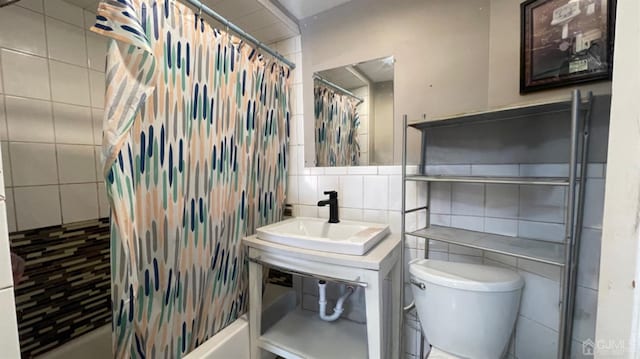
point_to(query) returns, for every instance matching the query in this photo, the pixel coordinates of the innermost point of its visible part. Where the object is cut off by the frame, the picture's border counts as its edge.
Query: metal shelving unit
(563, 253)
(539, 251)
(548, 181)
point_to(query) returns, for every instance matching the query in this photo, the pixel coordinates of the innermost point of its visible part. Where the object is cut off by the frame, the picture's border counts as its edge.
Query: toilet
(466, 310)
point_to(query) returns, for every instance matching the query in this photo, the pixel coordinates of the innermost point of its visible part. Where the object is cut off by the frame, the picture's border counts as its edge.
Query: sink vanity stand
(301, 333)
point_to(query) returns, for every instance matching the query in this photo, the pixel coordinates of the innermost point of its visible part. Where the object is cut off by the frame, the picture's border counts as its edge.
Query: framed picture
(565, 42)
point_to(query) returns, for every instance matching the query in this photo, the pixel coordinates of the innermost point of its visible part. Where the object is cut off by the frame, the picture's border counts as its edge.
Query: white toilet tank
(468, 310)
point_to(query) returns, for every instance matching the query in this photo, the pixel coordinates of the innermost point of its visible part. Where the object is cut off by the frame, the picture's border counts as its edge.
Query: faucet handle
(332, 194)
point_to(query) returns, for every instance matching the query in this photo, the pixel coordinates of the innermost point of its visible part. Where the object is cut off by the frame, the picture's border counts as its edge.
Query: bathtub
(95, 345)
(231, 342)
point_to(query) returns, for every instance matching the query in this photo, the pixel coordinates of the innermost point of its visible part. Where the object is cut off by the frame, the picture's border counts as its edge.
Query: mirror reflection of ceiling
(350, 77)
(260, 18)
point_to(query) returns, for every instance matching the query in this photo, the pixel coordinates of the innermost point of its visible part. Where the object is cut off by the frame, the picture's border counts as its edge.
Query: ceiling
(343, 78)
(379, 70)
(304, 8)
(260, 18)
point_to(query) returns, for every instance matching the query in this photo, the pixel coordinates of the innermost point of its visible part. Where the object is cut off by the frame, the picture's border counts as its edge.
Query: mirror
(353, 114)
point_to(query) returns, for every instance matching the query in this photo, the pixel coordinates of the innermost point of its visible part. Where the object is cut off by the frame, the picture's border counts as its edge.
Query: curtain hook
(229, 38)
(200, 10)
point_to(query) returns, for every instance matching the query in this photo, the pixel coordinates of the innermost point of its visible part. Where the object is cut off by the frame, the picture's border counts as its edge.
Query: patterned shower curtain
(336, 128)
(195, 149)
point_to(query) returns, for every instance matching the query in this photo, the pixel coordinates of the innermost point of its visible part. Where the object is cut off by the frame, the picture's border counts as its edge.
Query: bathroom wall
(439, 61)
(51, 100)
(504, 60)
(50, 114)
(443, 66)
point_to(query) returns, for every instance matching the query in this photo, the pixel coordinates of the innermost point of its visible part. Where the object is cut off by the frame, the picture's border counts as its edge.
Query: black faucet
(333, 206)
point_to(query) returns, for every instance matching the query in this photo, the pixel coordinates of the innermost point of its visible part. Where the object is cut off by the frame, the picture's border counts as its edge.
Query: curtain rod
(339, 88)
(204, 8)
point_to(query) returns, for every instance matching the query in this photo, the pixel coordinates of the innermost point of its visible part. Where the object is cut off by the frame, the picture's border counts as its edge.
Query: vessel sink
(346, 237)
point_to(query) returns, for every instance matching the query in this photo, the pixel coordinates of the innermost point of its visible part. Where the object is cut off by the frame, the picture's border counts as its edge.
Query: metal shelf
(499, 114)
(547, 181)
(563, 254)
(532, 249)
(301, 334)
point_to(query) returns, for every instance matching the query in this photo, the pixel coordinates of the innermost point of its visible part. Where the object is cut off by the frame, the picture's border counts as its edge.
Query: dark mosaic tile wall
(66, 291)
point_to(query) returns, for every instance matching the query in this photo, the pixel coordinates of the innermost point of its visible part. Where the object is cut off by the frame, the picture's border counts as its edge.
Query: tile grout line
(52, 184)
(44, 12)
(51, 143)
(8, 155)
(48, 57)
(55, 147)
(21, 97)
(93, 130)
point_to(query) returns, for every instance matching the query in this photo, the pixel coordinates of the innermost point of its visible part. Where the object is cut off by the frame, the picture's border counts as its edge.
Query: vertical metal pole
(427, 221)
(423, 149)
(402, 231)
(584, 162)
(423, 170)
(423, 155)
(568, 291)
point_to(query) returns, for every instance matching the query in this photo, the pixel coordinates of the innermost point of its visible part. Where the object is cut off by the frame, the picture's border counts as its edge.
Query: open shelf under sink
(302, 334)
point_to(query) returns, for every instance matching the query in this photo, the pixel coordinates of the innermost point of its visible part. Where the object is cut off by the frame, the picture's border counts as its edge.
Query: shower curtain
(195, 149)
(336, 128)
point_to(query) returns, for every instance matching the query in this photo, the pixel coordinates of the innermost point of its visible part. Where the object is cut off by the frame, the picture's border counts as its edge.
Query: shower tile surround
(51, 71)
(67, 291)
(373, 194)
(51, 105)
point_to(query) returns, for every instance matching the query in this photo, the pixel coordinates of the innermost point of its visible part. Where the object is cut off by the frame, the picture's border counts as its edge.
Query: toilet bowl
(466, 310)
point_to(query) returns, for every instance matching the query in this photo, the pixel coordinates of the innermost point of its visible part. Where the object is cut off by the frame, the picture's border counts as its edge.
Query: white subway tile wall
(65, 42)
(24, 75)
(74, 209)
(23, 30)
(51, 106)
(3, 118)
(29, 120)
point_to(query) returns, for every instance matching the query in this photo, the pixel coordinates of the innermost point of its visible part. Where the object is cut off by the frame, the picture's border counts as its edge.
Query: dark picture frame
(565, 42)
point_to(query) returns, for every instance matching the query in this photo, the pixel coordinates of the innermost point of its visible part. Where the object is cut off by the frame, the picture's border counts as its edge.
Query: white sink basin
(346, 237)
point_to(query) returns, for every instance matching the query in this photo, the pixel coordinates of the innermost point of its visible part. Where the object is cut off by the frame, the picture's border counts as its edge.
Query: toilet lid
(467, 276)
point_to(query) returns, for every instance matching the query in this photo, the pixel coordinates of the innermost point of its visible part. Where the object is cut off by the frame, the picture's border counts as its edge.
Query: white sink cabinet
(301, 333)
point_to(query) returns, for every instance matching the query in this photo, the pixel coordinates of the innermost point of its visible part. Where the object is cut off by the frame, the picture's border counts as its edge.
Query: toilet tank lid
(466, 276)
